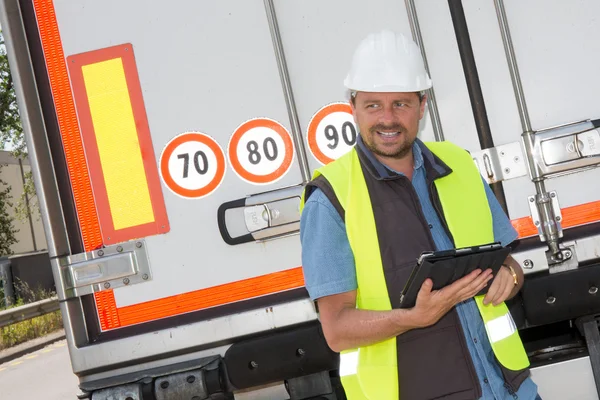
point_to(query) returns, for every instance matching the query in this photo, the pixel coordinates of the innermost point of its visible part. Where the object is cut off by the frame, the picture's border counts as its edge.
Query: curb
(30, 346)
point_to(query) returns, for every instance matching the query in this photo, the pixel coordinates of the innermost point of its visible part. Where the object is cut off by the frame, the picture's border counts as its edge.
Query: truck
(170, 143)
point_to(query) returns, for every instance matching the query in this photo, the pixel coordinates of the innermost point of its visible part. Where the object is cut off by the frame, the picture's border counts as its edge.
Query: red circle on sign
(314, 124)
(260, 123)
(192, 137)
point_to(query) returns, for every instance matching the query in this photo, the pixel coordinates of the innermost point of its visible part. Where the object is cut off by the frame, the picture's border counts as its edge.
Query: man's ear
(423, 103)
(352, 102)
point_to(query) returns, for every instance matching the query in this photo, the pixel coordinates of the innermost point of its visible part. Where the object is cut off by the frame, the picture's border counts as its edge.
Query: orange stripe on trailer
(581, 214)
(67, 122)
(118, 144)
(202, 299)
(107, 310)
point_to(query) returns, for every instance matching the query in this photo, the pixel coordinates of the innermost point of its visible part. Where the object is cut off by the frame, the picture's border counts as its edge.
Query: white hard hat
(387, 62)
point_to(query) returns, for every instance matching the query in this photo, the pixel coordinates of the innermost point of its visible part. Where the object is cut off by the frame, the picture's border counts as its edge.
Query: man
(370, 214)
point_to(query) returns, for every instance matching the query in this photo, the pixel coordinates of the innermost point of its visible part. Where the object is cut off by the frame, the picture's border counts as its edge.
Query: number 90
(348, 135)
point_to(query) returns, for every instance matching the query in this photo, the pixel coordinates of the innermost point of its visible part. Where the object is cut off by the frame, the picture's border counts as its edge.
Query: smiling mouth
(388, 134)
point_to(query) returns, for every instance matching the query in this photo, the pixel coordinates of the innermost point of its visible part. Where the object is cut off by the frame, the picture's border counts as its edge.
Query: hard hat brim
(388, 88)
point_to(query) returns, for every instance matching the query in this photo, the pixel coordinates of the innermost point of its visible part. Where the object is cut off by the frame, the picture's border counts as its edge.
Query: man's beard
(401, 152)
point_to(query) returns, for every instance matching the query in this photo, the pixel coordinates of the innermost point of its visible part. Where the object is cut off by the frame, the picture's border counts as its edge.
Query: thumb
(426, 288)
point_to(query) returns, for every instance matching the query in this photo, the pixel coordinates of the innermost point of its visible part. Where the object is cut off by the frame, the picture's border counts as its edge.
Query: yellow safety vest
(371, 372)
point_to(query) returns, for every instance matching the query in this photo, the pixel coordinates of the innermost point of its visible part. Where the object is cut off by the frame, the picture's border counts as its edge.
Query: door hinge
(111, 267)
(501, 163)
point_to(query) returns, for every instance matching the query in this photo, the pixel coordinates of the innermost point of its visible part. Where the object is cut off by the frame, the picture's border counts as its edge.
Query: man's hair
(352, 95)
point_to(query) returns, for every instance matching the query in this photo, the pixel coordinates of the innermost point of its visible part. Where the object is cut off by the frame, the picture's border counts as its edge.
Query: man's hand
(501, 288)
(432, 305)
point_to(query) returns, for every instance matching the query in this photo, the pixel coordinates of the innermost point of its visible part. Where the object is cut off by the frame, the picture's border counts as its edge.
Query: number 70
(186, 162)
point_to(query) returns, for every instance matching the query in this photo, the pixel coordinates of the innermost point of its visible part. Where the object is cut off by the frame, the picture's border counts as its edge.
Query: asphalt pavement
(43, 374)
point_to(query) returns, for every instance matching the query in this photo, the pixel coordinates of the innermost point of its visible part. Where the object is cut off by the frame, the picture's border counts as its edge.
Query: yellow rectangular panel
(118, 144)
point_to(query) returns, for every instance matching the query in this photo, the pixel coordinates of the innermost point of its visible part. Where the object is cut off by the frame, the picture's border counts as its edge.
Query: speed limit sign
(331, 132)
(260, 151)
(192, 165)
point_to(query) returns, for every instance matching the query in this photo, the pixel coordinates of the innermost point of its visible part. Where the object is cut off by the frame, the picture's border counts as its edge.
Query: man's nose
(387, 116)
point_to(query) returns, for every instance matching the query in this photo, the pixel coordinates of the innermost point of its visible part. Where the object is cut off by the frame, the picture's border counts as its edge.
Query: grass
(21, 332)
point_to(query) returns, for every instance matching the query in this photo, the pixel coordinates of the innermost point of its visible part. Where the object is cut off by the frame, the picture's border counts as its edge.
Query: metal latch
(553, 213)
(261, 217)
(107, 268)
(567, 148)
(555, 151)
(547, 218)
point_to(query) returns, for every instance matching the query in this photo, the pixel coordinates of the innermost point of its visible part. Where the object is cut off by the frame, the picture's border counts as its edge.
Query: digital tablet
(446, 267)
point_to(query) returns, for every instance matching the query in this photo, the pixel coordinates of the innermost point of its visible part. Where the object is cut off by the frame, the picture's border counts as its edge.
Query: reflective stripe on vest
(370, 372)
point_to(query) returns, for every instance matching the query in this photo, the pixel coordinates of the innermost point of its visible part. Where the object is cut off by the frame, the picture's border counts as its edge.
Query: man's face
(388, 122)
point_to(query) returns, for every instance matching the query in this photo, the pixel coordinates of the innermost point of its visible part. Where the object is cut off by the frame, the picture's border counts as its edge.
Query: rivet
(517, 158)
(191, 379)
(119, 248)
(558, 218)
(531, 199)
(253, 365)
(106, 285)
(502, 153)
(145, 276)
(126, 281)
(164, 384)
(300, 352)
(100, 253)
(528, 264)
(507, 170)
(593, 290)
(551, 300)
(537, 223)
(552, 195)
(138, 245)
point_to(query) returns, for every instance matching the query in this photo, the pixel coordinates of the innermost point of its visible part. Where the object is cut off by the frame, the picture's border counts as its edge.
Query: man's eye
(372, 105)
(400, 104)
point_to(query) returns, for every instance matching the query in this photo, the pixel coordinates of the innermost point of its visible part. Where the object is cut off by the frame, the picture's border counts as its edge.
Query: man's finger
(503, 283)
(480, 287)
(505, 293)
(474, 290)
(477, 284)
(426, 288)
(463, 282)
(494, 289)
(500, 293)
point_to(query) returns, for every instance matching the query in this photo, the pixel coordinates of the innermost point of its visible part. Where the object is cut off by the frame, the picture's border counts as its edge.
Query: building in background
(31, 231)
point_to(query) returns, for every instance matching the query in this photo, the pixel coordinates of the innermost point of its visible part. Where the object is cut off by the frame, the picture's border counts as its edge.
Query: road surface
(45, 374)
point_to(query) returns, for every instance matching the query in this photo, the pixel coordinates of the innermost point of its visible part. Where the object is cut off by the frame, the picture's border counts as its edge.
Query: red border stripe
(581, 214)
(67, 122)
(161, 222)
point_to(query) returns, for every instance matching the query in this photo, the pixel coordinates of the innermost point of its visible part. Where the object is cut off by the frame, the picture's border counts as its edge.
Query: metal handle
(266, 216)
(232, 241)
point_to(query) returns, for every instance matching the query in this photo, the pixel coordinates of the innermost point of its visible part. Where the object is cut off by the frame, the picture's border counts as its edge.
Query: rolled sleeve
(327, 259)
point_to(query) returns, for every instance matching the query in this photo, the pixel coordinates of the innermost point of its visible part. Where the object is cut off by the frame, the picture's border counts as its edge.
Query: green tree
(11, 131)
(11, 134)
